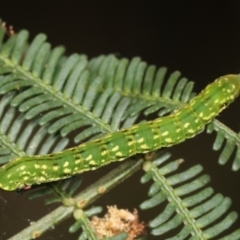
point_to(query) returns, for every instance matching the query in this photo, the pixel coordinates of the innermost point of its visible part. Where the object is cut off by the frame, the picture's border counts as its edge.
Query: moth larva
(141, 138)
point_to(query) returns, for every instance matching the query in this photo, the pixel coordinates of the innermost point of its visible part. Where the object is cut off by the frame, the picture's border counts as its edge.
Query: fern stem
(85, 224)
(177, 202)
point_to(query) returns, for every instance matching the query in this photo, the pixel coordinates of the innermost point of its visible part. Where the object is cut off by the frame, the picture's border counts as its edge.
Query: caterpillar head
(216, 97)
(235, 80)
(231, 86)
(229, 90)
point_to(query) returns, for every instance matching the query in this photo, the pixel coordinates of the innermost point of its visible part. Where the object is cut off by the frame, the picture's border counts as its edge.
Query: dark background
(199, 38)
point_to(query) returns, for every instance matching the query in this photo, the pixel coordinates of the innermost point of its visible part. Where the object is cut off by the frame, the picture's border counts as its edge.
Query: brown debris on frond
(9, 30)
(117, 221)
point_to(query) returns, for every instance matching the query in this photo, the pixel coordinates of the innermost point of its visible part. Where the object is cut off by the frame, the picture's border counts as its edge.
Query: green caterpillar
(141, 138)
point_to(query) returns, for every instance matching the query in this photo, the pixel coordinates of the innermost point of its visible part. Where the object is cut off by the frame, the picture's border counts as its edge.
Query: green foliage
(194, 214)
(17, 139)
(102, 95)
(46, 96)
(232, 143)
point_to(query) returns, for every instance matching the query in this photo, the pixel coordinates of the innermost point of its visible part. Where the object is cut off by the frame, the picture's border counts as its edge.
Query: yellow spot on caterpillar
(22, 167)
(25, 178)
(77, 161)
(119, 154)
(65, 164)
(168, 140)
(36, 165)
(103, 153)
(44, 166)
(140, 140)
(131, 151)
(89, 157)
(186, 124)
(165, 133)
(144, 146)
(115, 148)
(42, 179)
(178, 130)
(66, 170)
(55, 168)
(200, 114)
(156, 136)
(76, 168)
(92, 162)
(190, 130)
(216, 101)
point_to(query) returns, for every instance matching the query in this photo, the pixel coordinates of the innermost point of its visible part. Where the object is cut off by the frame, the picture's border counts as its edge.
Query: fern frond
(36, 96)
(201, 214)
(68, 102)
(65, 91)
(143, 84)
(231, 140)
(17, 139)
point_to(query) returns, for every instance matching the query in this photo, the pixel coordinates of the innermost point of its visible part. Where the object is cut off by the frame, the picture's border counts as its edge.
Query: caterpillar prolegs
(141, 138)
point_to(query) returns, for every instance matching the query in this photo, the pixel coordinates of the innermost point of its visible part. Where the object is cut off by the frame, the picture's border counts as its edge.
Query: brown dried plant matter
(8, 29)
(117, 221)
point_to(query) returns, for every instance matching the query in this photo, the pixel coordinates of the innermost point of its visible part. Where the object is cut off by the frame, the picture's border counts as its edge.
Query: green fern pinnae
(197, 214)
(15, 144)
(231, 140)
(124, 75)
(142, 138)
(51, 85)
